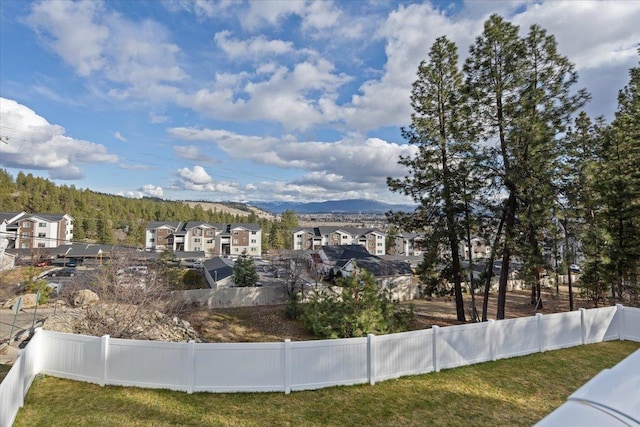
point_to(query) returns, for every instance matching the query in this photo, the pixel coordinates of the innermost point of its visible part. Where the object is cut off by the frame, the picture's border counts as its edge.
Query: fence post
(492, 339)
(191, 365)
(287, 366)
(434, 342)
(621, 324)
(22, 367)
(371, 357)
(104, 354)
(540, 333)
(583, 326)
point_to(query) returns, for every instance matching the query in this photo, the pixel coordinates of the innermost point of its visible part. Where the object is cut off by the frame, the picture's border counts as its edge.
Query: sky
(253, 100)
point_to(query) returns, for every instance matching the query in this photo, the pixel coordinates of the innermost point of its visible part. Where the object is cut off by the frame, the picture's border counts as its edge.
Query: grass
(518, 391)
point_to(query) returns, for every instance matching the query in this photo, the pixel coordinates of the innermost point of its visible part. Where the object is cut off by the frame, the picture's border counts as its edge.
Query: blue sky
(252, 100)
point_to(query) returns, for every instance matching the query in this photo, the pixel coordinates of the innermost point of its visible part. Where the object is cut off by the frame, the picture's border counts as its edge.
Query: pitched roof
(218, 268)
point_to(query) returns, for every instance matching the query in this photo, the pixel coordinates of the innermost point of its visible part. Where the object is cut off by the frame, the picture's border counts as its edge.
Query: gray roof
(7, 216)
(345, 252)
(219, 268)
(158, 224)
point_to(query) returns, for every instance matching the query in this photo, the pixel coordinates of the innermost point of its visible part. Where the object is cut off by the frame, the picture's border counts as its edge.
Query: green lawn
(511, 392)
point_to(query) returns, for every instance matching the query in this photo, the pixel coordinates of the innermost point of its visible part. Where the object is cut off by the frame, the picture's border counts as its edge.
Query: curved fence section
(289, 366)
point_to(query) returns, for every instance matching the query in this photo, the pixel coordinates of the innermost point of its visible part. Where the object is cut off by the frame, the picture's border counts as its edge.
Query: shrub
(356, 309)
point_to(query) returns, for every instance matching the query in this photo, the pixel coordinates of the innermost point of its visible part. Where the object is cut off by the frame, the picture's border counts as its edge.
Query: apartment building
(212, 239)
(313, 238)
(20, 230)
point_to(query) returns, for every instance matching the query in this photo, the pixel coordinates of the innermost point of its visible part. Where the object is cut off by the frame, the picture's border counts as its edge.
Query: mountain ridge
(349, 206)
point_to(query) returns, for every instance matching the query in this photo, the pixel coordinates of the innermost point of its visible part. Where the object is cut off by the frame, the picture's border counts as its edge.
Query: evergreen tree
(618, 185)
(244, 271)
(520, 97)
(437, 102)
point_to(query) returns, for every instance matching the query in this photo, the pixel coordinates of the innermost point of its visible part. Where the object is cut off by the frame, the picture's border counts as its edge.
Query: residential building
(212, 239)
(480, 249)
(408, 244)
(313, 238)
(343, 260)
(20, 230)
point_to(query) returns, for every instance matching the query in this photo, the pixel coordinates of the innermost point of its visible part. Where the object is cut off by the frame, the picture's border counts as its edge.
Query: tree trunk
(506, 255)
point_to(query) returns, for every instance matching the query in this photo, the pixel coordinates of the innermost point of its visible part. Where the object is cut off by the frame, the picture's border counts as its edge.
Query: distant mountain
(353, 206)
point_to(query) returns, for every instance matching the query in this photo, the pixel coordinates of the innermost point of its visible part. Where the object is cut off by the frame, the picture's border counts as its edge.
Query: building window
(254, 249)
(379, 244)
(26, 224)
(42, 234)
(41, 245)
(235, 241)
(210, 241)
(152, 240)
(209, 233)
(42, 224)
(253, 241)
(253, 232)
(344, 237)
(196, 240)
(26, 235)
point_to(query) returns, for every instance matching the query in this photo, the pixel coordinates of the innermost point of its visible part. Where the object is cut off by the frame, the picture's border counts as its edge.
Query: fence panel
(406, 353)
(631, 323)
(515, 337)
(76, 357)
(11, 392)
(463, 345)
(150, 364)
(324, 363)
(561, 330)
(600, 325)
(227, 367)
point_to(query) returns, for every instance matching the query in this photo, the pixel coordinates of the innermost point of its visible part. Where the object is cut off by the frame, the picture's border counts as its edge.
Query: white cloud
(36, 144)
(70, 30)
(270, 13)
(254, 48)
(352, 159)
(136, 54)
(152, 190)
(191, 152)
(119, 137)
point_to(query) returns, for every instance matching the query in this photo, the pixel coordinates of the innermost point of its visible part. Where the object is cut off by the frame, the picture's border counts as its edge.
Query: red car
(42, 263)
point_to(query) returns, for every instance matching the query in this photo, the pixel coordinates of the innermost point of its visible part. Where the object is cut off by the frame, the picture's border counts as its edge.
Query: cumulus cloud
(254, 48)
(193, 153)
(354, 159)
(97, 41)
(152, 190)
(198, 179)
(34, 143)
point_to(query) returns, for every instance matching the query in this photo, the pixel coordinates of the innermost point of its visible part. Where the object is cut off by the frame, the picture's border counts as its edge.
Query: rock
(84, 297)
(122, 321)
(28, 301)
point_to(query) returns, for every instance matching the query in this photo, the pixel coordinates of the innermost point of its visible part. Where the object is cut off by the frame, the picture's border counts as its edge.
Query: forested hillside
(104, 218)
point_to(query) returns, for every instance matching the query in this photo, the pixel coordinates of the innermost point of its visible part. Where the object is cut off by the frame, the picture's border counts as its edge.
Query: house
(21, 230)
(343, 260)
(313, 238)
(212, 239)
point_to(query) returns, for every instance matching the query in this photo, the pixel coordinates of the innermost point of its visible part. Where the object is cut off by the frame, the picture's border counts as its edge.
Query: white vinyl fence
(289, 366)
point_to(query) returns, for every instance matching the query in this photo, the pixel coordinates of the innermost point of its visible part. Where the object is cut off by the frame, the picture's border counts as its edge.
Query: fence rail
(289, 366)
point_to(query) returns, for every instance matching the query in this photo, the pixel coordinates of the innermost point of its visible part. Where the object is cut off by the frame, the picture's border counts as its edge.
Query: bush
(357, 309)
(42, 287)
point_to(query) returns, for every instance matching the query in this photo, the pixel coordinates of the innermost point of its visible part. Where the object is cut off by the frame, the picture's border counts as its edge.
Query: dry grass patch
(512, 392)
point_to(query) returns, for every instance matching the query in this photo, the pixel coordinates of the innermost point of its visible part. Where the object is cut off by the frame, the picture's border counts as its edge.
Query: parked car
(72, 263)
(575, 268)
(64, 272)
(42, 263)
